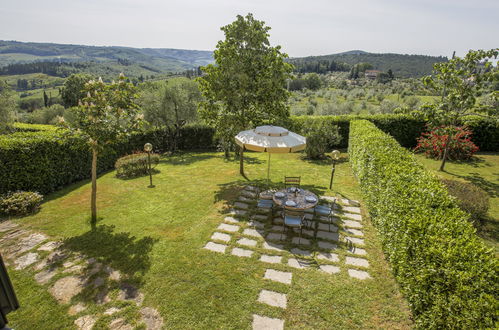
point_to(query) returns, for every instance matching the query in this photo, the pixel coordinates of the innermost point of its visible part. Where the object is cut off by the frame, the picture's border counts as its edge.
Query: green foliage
(446, 273)
(7, 106)
(320, 136)
(20, 203)
(49, 115)
(470, 198)
(134, 165)
(246, 87)
(171, 106)
(73, 90)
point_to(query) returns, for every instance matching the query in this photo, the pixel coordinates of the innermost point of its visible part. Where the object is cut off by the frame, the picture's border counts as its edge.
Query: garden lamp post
(335, 155)
(148, 149)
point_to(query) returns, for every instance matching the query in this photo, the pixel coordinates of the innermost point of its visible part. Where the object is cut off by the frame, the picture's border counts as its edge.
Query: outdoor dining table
(295, 198)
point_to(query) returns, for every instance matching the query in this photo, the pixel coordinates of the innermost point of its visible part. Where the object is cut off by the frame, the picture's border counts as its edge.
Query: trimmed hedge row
(47, 160)
(447, 274)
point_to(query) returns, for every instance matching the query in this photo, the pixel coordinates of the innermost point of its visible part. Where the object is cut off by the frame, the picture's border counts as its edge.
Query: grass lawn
(484, 172)
(156, 235)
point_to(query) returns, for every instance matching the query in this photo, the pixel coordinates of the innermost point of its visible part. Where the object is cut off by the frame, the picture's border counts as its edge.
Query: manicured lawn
(156, 236)
(484, 172)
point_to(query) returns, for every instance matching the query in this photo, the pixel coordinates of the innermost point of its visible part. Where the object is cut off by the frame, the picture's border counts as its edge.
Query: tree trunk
(93, 202)
(444, 157)
(241, 161)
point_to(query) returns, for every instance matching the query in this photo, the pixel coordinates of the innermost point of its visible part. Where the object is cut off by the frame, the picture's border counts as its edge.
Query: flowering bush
(459, 138)
(20, 202)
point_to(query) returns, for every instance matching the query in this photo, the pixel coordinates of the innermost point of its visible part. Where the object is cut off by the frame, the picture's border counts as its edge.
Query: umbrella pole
(268, 171)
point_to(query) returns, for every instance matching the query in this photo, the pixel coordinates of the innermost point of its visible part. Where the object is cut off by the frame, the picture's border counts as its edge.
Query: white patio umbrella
(271, 139)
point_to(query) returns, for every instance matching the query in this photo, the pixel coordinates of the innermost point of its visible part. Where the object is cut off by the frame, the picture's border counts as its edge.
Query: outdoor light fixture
(148, 149)
(335, 156)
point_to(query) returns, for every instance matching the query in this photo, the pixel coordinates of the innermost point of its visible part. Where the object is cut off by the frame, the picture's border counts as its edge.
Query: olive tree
(106, 113)
(246, 86)
(7, 106)
(460, 81)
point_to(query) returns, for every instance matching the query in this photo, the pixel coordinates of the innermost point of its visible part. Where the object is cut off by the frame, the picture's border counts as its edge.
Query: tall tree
(460, 81)
(105, 114)
(7, 106)
(247, 85)
(171, 106)
(73, 89)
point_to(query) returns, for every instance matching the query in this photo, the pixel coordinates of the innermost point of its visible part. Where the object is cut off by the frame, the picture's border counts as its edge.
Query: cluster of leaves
(446, 272)
(20, 203)
(471, 199)
(320, 137)
(457, 139)
(134, 165)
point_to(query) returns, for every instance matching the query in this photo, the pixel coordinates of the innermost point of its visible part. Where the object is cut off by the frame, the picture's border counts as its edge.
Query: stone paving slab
(330, 198)
(301, 252)
(330, 269)
(273, 298)
(242, 252)
(360, 262)
(327, 227)
(273, 246)
(300, 241)
(49, 246)
(359, 274)
(351, 209)
(276, 236)
(352, 224)
(271, 259)
(241, 205)
(238, 212)
(251, 188)
(66, 288)
(245, 199)
(220, 237)
(247, 242)
(328, 235)
(278, 221)
(27, 243)
(277, 228)
(307, 232)
(26, 260)
(308, 216)
(278, 276)
(332, 257)
(253, 232)
(356, 250)
(231, 220)
(229, 228)
(259, 217)
(357, 217)
(85, 322)
(45, 276)
(354, 232)
(296, 263)
(257, 224)
(354, 240)
(267, 323)
(215, 247)
(249, 194)
(7, 226)
(326, 245)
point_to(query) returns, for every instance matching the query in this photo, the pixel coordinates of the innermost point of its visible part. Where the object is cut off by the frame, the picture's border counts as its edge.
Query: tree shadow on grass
(119, 250)
(491, 188)
(186, 158)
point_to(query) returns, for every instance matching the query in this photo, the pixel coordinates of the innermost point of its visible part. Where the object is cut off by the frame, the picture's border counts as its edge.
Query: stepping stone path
(47, 260)
(263, 241)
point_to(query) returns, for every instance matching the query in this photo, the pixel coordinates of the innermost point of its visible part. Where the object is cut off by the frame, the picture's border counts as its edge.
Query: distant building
(372, 74)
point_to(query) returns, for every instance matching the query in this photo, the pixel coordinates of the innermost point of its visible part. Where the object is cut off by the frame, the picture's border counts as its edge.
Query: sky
(302, 28)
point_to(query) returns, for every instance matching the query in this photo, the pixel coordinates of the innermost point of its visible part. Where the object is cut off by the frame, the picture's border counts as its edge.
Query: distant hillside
(402, 65)
(102, 60)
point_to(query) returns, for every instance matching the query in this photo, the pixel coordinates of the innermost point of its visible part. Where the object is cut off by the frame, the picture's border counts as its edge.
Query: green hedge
(46, 160)
(447, 274)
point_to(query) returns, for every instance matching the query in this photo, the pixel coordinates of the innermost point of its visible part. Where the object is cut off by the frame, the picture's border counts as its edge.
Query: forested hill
(402, 65)
(159, 60)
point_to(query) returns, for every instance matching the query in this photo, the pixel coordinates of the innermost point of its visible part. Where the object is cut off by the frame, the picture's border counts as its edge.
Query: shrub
(471, 199)
(20, 203)
(459, 139)
(134, 165)
(319, 138)
(444, 269)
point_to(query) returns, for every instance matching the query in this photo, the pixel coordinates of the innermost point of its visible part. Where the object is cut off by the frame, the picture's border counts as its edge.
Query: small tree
(73, 89)
(106, 113)
(247, 85)
(172, 106)
(7, 106)
(460, 81)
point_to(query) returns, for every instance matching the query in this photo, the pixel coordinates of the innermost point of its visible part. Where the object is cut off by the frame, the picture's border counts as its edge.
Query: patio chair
(293, 219)
(265, 205)
(325, 211)
(291, 181)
